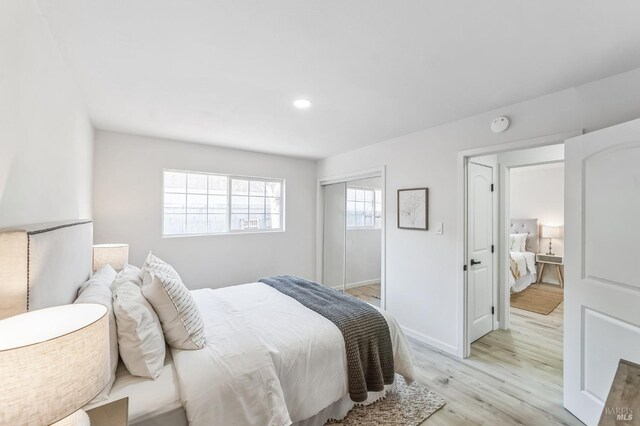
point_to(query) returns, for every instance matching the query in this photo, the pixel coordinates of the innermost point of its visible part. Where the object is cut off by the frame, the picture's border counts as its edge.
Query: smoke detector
(500, 124)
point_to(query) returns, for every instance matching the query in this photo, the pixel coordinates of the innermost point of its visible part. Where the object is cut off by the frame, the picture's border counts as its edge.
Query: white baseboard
(359, 284)
(434, 343)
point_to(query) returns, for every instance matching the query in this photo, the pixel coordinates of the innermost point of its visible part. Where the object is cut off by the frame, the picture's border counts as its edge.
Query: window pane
(378, 208)
(174, 224)
(256, 205)
(196, 223)
(239, 204)
(351, 194)
(368, 221)
(368, 195)
(378, 222)
(359, 195)
(273, 205)
(368, 208)
(257, 187)
(359, 207)
(238, 221)
(351, 220)
(196, 203)
(273, 189)
(256, 221)
(360, 221)
(272, 221)
(218, 185)
(378, 196)
(196, 183)
(217, 223)
(175, 181)
(351, 206)
(175, 203)
(217, 203)
(239, 187)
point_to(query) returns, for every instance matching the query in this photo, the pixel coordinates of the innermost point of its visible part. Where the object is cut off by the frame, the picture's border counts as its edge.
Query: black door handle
(474, 262)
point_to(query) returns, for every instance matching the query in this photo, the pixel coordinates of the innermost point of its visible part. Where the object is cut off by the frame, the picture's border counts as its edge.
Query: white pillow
(181, 321)
(98, 290)
(517, 242)
(142, 346)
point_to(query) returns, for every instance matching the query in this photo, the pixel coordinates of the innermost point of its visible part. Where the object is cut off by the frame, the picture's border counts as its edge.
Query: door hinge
(464, 268)
(493, 310)
(491, 187)
(493, 248)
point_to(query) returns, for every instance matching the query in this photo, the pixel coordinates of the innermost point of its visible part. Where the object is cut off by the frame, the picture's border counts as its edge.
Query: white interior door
(602, 281)
(333, 271)
(480, 239)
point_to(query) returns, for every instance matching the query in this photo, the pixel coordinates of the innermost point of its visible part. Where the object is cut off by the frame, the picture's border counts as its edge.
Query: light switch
(439, 227)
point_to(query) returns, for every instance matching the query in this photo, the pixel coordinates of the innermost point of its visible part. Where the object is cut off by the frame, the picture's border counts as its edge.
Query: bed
(522, 263)
(306, 380)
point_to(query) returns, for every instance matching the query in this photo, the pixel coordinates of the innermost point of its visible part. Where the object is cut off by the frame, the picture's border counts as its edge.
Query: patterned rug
(407, 406)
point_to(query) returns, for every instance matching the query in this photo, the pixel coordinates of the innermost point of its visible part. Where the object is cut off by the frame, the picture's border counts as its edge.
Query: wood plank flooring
(513, 377)
(369, 293)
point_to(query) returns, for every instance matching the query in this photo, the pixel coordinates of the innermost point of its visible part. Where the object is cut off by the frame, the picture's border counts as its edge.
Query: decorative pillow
(98, 290)
(142, 346)
(517, 242)
(181, 321)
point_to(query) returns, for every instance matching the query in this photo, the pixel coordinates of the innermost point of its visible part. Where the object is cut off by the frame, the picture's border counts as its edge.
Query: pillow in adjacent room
(517, 242)
(140, 339)
(181, 321)
(98, 290)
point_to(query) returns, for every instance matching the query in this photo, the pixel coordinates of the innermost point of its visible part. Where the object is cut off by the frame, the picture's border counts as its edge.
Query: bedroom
(98, 99)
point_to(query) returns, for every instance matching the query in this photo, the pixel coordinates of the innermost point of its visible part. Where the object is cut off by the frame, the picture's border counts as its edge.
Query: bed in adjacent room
(267, 359)
(523, 246)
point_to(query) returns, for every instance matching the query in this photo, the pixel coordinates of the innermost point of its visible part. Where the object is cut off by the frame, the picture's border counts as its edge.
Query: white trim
(426, 340)
(379, 171)
(464, 346)
(358, 284)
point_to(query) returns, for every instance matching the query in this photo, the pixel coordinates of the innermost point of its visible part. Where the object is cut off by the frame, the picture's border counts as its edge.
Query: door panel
(602, 283)
(334, 235)
(480, 263)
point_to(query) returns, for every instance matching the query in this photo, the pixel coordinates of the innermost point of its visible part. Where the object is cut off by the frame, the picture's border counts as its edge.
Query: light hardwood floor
(368, 293)
(513, 377)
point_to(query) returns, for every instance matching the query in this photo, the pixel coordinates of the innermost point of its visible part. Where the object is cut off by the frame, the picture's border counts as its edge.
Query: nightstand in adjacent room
(551, 259)
(115, 413)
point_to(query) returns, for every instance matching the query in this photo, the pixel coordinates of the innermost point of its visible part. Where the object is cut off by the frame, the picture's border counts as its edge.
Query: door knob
(475, 262)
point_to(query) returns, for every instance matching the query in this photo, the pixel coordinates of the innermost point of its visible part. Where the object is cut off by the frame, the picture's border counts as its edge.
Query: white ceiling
(226, 72)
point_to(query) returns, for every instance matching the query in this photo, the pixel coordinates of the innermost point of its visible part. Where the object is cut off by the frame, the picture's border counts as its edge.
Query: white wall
(422, 267)
(128, 208)
(363, 249)
(334, 228)
(46, 138)
(538, 192)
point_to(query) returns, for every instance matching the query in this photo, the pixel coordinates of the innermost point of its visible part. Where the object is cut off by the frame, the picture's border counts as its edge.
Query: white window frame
(229, 231)
(375, 201)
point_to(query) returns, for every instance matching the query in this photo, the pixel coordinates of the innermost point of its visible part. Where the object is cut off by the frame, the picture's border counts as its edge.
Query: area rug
(538, 298)
(406, 406)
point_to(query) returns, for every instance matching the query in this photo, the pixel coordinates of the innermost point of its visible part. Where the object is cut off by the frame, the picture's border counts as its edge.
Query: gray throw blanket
(365, 331)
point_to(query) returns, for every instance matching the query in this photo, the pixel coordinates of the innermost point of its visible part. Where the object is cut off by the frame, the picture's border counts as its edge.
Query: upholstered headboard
(43, 265)
(529, 226)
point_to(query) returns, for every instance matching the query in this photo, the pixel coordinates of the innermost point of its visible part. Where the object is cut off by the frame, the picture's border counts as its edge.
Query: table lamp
(550, 232)
(53, 361)
(116, 255)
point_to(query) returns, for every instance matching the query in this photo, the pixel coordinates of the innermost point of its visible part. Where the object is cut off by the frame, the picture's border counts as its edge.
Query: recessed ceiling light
(302, 103)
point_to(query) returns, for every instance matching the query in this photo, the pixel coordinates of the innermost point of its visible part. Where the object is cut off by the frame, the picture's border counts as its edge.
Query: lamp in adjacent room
(116, 255)
(53, 361)
(550, 232)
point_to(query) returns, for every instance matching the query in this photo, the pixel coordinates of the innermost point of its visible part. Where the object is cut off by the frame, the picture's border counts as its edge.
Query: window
(204, 203)
(364, 208)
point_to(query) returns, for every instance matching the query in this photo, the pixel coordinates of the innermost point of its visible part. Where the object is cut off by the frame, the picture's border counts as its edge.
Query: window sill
(274, 231)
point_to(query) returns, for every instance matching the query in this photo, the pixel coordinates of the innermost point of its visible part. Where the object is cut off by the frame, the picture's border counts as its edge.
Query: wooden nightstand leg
(560, 277)
(541, 271)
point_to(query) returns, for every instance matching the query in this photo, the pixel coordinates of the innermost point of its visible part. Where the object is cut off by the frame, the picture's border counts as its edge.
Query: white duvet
(268, 361)
(526, 262)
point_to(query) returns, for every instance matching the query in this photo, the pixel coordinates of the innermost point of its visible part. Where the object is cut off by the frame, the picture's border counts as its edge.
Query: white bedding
(526, 261)
(268, 361)
(147, 398)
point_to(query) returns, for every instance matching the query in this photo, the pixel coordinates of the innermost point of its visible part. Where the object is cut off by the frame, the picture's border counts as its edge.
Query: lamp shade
(116, 255)
(53, 361)
(550, 231)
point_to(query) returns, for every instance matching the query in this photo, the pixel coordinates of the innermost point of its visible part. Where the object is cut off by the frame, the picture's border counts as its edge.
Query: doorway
(352, 235)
